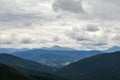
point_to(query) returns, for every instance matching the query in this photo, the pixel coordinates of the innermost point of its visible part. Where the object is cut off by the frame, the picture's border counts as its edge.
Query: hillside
(8, 73)
(100, 67)
(31, 68)
(20, 63)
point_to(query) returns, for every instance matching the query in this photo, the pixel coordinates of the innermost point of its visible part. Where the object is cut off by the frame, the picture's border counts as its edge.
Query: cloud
(56, 38)
(102, 9)
(5, 39)
(27, 40)
(84, 37)
(116, 39)
(78, 34)
(92, 28)
(81, 24)
(23, 11)
(73, 6)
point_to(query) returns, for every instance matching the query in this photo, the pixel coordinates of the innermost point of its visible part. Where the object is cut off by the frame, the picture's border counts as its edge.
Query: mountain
(30, 68)
(113, 49)
(11, 50)
(47, 57)
(59, 48)
(7, 50)
(8, 73)
(54, 48)
(99, 67)
(40, 75)
(21, 64)
(55, 58)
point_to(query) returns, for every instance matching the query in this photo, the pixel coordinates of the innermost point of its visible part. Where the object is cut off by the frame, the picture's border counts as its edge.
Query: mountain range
(55, 58)
(56, 48)
(84, 65)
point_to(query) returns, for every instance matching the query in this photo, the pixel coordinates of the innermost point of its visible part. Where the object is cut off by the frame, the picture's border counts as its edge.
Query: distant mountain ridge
(58, 48)
(55, 48)
(11, 50)
(113, 49)
(55, 57)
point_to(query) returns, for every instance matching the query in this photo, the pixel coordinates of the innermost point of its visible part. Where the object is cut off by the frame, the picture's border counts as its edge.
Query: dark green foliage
(40, 75)
(100, 67)
(42, 78)
(8, 73)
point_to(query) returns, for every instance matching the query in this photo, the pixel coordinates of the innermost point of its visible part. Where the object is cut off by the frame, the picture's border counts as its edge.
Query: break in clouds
(80, 24)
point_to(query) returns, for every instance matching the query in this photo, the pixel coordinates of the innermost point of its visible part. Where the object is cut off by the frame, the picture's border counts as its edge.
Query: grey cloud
(117, 37)
(22, 11)
(68, 5)
(78, 35)
(26, 41)
(92, 28)
(16, 38)
(6, 41)
(19, 17)
(56, 38)
(93, 10)
(103, 9)
(100, 44)
(82, 36)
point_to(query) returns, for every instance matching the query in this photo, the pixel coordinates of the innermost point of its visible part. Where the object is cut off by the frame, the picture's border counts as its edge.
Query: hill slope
(100, 67)
(31, 68)
(20, 63)
(8, 73)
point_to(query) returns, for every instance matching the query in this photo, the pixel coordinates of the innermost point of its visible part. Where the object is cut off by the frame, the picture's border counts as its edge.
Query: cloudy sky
(80, 24)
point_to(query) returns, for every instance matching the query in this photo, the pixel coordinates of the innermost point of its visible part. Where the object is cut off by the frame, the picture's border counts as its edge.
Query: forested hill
(8, 73)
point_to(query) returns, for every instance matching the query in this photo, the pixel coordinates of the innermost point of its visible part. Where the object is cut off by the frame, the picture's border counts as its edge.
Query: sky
(79, 24)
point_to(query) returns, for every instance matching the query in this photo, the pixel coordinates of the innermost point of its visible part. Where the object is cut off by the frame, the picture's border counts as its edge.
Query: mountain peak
(56, 47)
